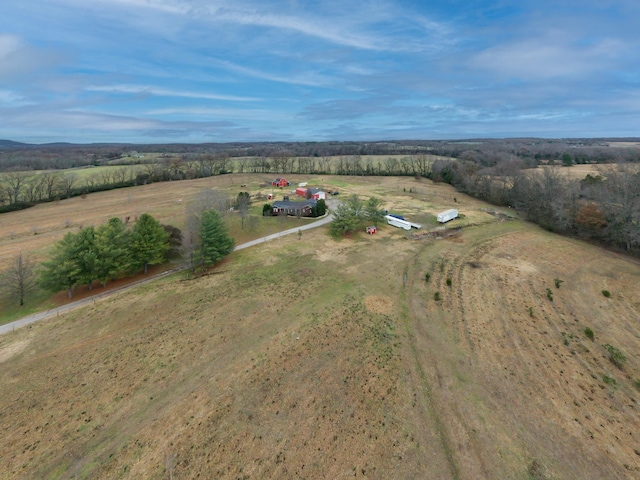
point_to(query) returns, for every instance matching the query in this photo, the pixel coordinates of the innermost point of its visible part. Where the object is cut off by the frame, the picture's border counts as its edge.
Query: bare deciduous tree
(14, 182)
(620, 200)
(20, 279)
(67, 184)
(243, 203)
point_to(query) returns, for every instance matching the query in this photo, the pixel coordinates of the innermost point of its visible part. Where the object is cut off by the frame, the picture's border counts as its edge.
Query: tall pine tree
(63, 271)
(149, 243)
(86, 256)
(113, 245)
(215, 240)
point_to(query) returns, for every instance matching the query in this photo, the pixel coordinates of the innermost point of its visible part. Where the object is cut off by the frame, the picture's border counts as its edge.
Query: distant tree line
(486, 152)
(21, 187)
(604, 207)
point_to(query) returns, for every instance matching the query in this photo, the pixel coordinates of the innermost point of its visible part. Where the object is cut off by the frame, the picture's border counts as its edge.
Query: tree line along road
(11, 326)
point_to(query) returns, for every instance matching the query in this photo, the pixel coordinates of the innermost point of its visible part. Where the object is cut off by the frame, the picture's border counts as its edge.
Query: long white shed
(444, 217)
(404, 224)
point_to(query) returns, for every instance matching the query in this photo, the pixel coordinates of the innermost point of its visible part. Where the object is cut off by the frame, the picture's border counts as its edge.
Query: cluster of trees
(113, 250)
(603, 207)
(184, 167)
(354, 214)
(104, 253)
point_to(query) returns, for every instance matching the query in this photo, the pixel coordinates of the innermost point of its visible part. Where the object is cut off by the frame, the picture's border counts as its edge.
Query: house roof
(290, 204)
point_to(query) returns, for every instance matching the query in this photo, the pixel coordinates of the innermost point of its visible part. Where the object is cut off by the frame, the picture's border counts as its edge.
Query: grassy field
(85, 172)
(35, 230)
(323, 358)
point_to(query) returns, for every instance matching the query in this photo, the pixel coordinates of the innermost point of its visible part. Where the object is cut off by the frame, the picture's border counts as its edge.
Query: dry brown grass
(578, 172)
(314, 358)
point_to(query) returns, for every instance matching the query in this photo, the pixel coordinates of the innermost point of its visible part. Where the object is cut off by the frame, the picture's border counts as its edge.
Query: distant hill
(10, 144)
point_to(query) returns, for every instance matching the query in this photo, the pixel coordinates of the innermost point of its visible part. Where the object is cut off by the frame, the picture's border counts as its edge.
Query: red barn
(318, 194)
(280, 182)
(313, 193)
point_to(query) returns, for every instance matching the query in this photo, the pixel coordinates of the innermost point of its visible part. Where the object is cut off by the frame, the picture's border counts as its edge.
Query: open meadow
(482, 353)
(33, 231)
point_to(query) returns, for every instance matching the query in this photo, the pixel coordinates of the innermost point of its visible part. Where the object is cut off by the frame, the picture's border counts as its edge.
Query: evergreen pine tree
(149, 242)
(215, 240)
(63, 270)
(112, 246)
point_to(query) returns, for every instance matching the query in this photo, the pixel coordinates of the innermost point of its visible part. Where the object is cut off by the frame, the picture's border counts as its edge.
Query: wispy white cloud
(329, 31)
(166, 6)
(9, 98)
(227, 113)
(375, 27)
(19, 58)
(308, 79)
(165, 92)
(550, 56)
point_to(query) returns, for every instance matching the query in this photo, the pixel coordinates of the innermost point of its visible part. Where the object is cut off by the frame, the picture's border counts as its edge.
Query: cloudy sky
(155, 71)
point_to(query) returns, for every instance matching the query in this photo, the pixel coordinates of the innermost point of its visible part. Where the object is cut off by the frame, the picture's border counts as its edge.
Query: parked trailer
(396, 222)
(444, 217)
(404, 224)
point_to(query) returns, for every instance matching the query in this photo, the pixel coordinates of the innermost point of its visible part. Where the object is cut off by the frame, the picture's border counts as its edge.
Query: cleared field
(578, 172)
(623, 144)
(85, 172)
(316, 358)
(33, 231)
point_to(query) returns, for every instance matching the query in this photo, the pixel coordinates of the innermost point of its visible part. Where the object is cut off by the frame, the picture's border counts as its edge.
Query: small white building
(447, 215)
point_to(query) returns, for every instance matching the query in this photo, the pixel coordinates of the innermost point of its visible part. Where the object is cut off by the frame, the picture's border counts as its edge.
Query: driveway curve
(11, 326)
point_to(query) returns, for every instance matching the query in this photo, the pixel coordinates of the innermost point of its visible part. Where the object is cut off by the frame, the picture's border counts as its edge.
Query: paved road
(9, 327)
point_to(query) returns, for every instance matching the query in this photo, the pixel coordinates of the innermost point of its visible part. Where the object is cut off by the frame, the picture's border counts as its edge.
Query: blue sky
(157, 71)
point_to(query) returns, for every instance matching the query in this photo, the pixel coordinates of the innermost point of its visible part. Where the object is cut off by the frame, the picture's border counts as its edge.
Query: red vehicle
(371, 230)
